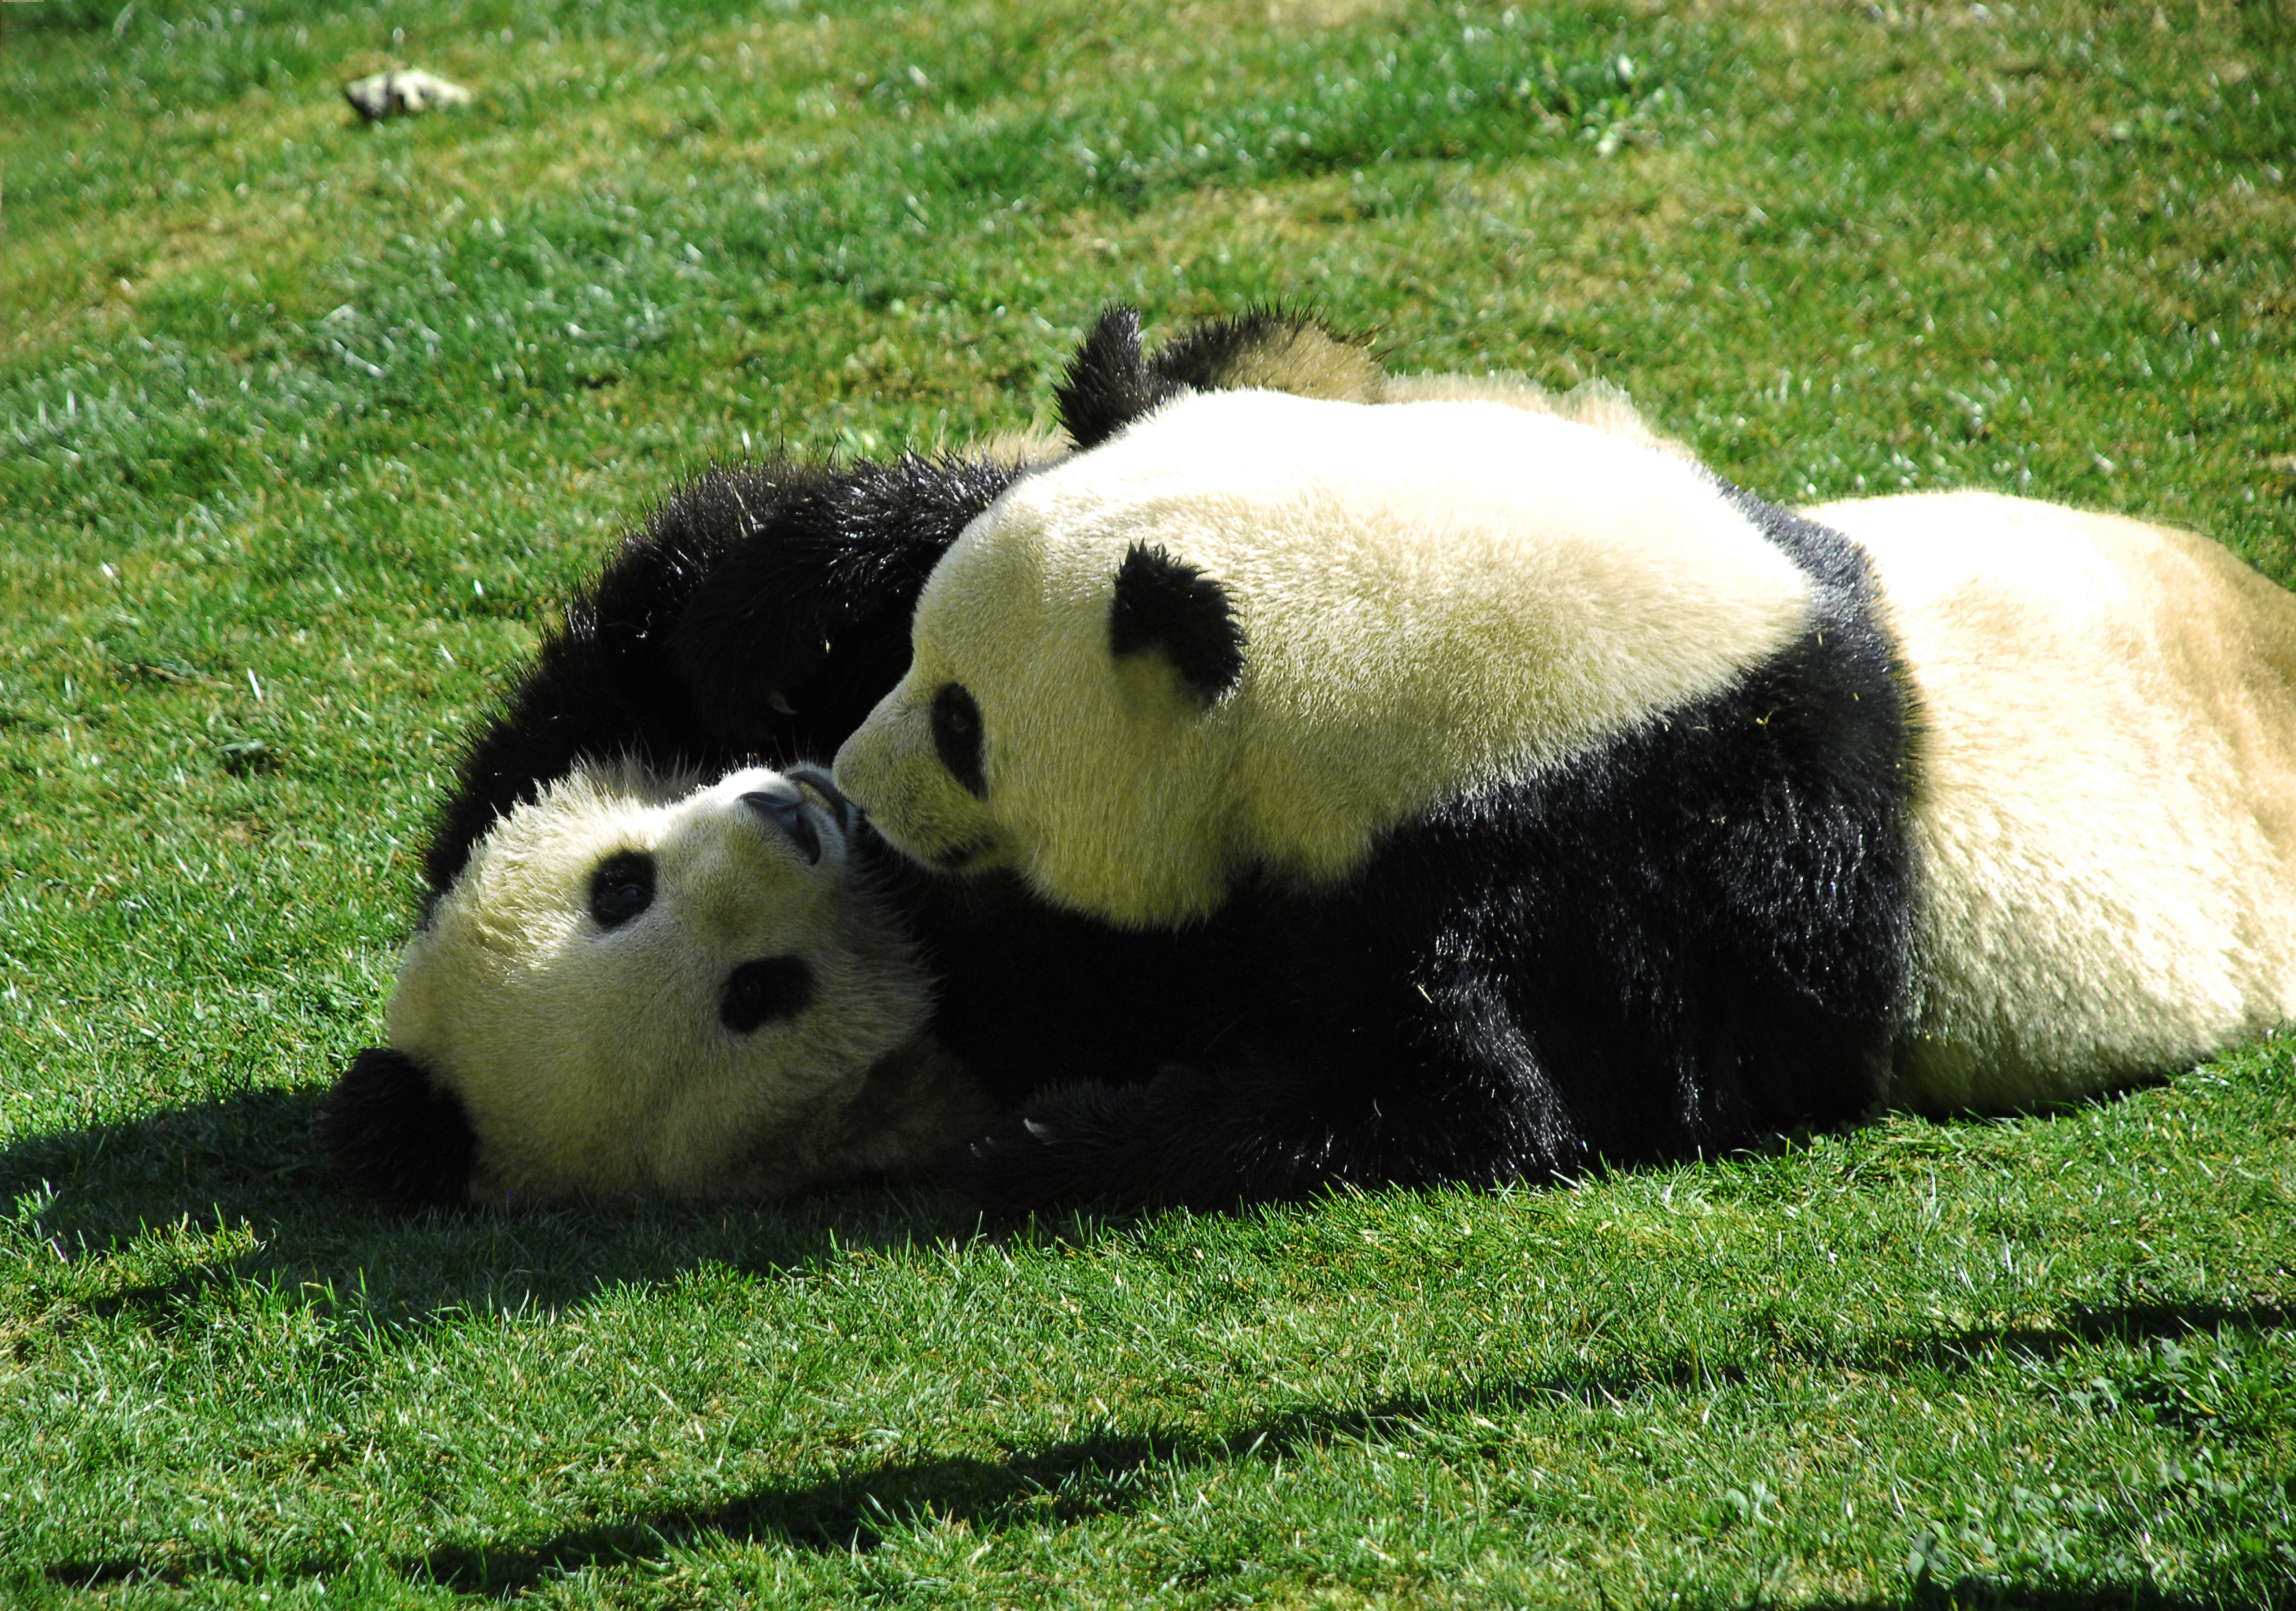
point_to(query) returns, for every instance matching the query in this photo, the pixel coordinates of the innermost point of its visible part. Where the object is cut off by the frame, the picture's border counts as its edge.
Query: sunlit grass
(303, 427)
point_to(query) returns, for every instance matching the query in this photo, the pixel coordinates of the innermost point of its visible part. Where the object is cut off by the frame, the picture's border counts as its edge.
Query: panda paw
(1086, 1143)
(1036, 1158)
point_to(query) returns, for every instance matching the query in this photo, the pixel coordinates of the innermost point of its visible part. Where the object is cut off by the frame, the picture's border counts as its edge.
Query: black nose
(818, 780)
(786, 812)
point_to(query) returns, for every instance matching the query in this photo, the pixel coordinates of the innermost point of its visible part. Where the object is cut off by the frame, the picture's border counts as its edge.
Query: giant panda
(1555, 802)
(548, 1039)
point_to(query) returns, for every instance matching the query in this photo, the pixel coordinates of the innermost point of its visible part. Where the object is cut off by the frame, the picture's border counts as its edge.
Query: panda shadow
(92, 1189)
(245, 1174)
(1113, 1471)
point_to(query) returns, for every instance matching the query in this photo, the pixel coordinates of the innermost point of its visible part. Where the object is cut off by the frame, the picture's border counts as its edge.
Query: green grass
(303, 425)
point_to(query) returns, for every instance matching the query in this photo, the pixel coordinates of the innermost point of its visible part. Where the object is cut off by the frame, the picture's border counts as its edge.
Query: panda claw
(1042, 1133)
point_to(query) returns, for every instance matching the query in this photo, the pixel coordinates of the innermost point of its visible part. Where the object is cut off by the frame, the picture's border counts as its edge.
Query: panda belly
(2106, 829)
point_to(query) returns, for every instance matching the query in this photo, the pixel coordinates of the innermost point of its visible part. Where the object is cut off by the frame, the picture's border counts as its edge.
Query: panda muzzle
(822, 784)
(786, 812)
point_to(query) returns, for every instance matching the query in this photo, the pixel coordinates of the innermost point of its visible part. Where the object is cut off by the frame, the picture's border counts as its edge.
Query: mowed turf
(304, 425)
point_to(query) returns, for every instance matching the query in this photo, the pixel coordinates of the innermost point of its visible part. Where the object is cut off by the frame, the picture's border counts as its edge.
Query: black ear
(1173, 609)
(1108, 385)
(400, 1139)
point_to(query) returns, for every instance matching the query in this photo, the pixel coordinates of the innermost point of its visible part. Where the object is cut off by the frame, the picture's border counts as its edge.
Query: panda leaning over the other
(1567, 804)
(1414, 780)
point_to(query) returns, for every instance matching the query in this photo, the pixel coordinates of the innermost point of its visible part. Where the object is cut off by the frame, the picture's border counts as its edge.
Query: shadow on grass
(249, 1163)
(113, 1178)
(1110, 1472)
(1988, 1594)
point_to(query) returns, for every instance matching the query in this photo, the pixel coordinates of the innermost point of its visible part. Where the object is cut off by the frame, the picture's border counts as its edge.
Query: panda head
(1061, 717)
(636, 986)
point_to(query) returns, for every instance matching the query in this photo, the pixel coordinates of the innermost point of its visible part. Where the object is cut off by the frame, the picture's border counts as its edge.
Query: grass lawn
(304, 425)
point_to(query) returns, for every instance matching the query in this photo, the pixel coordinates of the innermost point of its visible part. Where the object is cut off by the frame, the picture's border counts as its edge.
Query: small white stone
(407, 90)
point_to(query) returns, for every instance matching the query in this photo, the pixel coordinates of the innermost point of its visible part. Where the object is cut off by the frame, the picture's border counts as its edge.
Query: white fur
(592, 1060)
(2107, 831)
(1439, 598)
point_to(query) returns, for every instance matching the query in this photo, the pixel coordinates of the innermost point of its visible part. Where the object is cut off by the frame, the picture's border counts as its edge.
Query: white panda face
(632, 991)
(1031, 733)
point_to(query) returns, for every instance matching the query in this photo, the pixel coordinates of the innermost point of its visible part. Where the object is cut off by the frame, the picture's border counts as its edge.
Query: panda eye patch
(957, 736)
(621, 887)
(761, 991)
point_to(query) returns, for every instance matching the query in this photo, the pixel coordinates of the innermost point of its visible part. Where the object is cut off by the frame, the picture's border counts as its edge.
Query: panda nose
(787, 813)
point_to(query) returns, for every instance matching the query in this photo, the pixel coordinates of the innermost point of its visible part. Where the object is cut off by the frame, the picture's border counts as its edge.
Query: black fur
(1166, 607)
(956, 738)
(763, 584)
(1208, 355)
(1699, 935)
(1109, 384)
(1222, 354)
(403, 1141)
(621, 887)
(758, 992)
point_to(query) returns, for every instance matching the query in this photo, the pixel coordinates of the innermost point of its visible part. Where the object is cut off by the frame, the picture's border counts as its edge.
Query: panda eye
(957, 735)
(758, 992)
(621, 887)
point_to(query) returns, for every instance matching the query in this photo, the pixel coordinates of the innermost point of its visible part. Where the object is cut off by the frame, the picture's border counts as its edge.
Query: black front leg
(1446, 1089)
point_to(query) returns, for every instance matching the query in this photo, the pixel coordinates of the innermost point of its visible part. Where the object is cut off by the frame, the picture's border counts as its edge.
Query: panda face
(633, 988)
(1252, 633)
(1029, 661)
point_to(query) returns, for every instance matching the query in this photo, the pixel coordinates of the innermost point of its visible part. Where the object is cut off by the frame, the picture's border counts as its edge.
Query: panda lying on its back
(1563, 803)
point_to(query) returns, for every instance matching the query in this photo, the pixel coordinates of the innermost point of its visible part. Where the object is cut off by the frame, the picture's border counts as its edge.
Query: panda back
(1440, 598)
